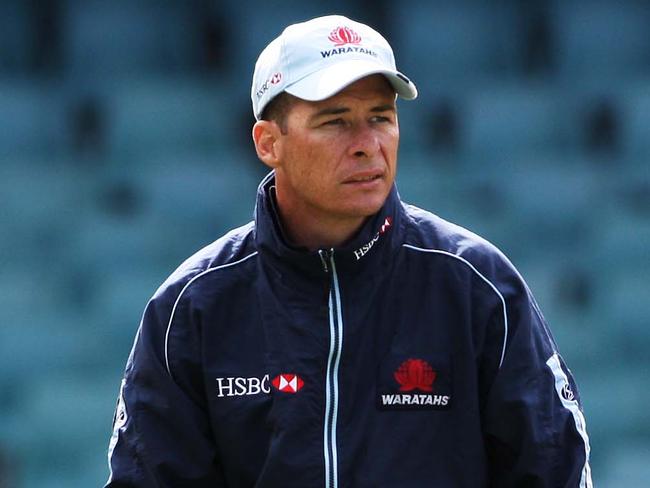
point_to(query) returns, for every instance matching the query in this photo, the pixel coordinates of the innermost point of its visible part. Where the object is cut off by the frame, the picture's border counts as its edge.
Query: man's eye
(333, 122)
(380, 118)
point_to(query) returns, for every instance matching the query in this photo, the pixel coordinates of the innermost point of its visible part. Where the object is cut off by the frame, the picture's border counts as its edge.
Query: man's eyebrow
(341, 110)
(330, 111)
(384, 108)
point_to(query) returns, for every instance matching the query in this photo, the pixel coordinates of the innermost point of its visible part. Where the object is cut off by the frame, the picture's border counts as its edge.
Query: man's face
(338, 157)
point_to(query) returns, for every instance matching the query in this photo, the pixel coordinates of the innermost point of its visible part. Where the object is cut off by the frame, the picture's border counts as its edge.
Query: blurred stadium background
(125, 146)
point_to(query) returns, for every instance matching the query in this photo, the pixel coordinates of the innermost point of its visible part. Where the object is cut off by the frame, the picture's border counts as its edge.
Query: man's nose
(365, 142)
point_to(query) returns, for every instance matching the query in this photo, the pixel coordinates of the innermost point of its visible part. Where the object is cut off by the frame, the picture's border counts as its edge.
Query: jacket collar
(373, 245)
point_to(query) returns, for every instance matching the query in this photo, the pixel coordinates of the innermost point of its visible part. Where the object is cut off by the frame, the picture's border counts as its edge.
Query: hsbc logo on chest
(288, 383)
(245, 386)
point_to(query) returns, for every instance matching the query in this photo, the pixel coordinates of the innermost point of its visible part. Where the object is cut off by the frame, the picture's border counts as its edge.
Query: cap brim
(331, 80)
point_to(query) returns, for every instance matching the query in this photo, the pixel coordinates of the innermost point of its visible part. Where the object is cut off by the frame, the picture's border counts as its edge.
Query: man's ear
(266, 135)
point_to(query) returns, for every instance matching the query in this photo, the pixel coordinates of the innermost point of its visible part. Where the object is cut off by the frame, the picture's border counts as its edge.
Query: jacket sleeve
(533, 422)
(161, 434)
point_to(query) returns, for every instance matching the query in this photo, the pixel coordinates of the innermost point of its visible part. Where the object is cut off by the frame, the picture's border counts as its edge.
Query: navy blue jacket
(415, 356)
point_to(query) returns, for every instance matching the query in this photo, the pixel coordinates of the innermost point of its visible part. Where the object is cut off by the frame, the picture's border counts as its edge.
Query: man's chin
(363, 211)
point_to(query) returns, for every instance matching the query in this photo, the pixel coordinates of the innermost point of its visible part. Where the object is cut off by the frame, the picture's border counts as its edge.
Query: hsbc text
(238, 386)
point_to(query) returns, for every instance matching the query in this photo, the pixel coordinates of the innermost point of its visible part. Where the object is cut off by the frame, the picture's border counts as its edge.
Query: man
(343, 338)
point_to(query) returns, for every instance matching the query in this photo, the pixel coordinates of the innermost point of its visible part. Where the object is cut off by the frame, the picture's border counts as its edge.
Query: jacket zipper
(331, 380)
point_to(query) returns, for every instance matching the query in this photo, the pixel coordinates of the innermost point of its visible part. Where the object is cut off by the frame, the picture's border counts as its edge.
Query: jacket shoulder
(233, 247)
(429, 232)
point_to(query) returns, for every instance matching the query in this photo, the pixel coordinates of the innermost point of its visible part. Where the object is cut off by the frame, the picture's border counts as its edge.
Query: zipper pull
(323, 259)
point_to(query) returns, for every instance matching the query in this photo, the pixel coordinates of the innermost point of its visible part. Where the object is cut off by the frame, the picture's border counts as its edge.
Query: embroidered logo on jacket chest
(414, 385)
(252, 385)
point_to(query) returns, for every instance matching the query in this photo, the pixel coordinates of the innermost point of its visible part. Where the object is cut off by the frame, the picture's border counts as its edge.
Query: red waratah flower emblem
(344, 35)
(415, 374)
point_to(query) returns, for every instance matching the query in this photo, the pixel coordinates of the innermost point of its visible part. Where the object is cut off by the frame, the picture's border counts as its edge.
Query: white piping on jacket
(187, 285)
(561, 382)
(471, 266)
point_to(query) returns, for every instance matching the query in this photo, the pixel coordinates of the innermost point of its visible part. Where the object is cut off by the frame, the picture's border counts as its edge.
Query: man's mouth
(364, 178)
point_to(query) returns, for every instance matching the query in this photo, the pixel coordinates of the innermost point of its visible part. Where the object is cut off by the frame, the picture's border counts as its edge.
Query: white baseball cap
(316, 59)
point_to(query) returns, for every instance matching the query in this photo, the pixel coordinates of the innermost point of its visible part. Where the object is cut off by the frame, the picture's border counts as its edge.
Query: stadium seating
(503, 120)
(635, 102)
(452, 40)
(16, 37)
(629, 465)
(601, 39)
(137, 152)
(169, 113)
(31, 112)
(129, 38)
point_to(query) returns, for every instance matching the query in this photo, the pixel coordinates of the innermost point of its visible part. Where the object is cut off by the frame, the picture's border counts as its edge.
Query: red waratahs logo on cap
(344, 35)
(415, 374)
(288, 383)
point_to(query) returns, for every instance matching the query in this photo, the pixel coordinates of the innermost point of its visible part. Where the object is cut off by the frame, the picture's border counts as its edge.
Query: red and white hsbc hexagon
(288, 383)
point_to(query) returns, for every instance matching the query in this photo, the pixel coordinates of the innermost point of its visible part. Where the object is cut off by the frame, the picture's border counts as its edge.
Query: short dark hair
(277, 110)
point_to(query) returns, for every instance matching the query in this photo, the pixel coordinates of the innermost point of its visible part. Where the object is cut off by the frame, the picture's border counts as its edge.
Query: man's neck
(312, 230)
(315, 234)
